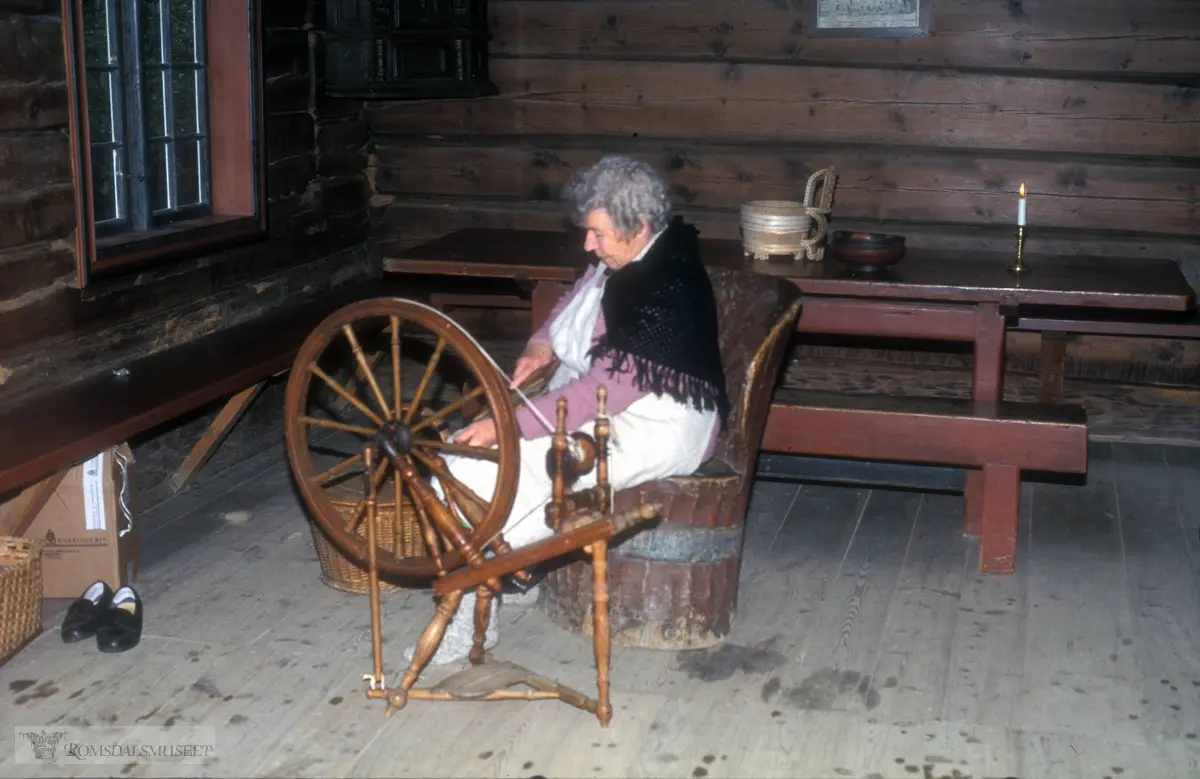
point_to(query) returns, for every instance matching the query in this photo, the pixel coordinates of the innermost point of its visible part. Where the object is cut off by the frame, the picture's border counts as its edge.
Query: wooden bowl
(867, 252)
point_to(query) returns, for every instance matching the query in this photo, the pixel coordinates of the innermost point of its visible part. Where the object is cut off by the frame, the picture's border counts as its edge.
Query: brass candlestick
(1019, 266)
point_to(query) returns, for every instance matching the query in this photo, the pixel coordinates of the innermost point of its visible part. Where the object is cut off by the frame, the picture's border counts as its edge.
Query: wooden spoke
(340, 390)
(403, 530)
(376, 480)
(331, 424)
(439, 415)
(368, 371)
(397, 395)
(341, 467)
(450, 481)
(433, 540)
(453, 448)
(433, 361)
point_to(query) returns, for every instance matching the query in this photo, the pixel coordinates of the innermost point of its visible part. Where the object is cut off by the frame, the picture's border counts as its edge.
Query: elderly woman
(642, 322)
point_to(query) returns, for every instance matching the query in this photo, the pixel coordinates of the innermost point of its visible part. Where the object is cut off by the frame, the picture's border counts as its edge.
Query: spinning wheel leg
(601, 640)
(483, 616)
(430, 639)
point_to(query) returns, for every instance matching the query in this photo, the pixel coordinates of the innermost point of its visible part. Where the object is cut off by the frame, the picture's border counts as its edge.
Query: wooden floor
(866, 646)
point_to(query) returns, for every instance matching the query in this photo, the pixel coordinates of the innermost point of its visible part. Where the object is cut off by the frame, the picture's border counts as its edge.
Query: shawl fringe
(660, 380)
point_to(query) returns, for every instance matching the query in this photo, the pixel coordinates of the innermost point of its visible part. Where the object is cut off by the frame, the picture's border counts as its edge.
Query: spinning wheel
(401, 443)
(374, 408)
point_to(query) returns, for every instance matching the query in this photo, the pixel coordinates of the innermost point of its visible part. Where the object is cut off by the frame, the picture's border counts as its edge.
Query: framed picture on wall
(869, 18)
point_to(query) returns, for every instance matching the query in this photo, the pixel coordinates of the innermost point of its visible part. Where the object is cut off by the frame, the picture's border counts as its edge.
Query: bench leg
(1000, 500)
(226, 418)
(1050, 367)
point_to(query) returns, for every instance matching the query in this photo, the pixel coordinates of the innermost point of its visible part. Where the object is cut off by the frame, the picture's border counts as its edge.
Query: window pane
(153, 105)
(184, 99)
(104, 183)
(97, 49)
(151, 23)
(183, 31)
(188, 165)
(158, 176)
(100, 108)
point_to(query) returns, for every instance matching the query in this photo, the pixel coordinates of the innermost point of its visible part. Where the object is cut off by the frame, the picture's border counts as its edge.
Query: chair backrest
(757, 316)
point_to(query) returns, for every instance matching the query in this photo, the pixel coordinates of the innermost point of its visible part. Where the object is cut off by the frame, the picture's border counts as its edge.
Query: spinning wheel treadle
(405, 439)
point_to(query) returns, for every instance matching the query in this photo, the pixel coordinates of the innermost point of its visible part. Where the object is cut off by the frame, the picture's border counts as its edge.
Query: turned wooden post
(601, 640)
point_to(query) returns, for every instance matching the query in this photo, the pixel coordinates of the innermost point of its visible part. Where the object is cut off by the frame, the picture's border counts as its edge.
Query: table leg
(987, 376)
(545, 295)
(1051, 367)
(987, 384)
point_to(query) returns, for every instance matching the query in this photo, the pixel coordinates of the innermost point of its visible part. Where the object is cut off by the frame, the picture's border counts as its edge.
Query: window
(162, 169)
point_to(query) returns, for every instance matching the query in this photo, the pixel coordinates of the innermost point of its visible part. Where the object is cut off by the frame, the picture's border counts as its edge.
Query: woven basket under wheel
(20, 594)
(399, 536)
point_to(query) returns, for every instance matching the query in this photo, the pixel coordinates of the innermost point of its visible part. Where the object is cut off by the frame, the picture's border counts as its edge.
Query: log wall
(1092, 103)
(52, 332)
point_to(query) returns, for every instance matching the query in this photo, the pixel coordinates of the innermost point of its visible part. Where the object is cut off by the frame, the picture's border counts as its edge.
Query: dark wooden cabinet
(395, 49)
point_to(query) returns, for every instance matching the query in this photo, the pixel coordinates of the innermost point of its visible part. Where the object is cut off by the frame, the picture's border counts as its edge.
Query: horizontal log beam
(873, 183)
(1095, 38)
(811, 105)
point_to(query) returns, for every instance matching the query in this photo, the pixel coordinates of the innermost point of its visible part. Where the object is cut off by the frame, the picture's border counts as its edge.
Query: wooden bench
(43, 438)
(1057, 326)
(1000, 439)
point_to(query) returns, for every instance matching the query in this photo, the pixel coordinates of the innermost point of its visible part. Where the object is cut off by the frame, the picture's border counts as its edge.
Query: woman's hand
(534, 357)
(481, 433)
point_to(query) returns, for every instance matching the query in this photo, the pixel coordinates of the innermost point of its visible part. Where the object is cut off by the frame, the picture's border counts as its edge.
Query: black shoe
(122, 628)
(87, 613)
(512, 585)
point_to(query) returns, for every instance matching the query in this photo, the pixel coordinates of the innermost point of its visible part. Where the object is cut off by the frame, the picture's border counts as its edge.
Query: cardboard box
(87, 526)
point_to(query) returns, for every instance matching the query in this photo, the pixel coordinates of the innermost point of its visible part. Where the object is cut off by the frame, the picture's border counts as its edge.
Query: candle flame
(1022, 189)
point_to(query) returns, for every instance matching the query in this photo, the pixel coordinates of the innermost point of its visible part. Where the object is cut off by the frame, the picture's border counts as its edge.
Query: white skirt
(654, 437)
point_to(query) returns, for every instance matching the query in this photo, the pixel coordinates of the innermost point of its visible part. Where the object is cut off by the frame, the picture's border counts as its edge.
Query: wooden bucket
(673, 586)
(399, 535)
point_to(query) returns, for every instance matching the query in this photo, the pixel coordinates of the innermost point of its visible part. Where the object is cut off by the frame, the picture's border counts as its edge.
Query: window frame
(237, 154)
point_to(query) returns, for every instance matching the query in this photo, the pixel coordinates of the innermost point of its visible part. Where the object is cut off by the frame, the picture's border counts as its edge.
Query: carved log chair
(675, 585)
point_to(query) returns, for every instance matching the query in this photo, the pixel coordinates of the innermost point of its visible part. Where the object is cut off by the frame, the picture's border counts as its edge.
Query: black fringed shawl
(661, 319)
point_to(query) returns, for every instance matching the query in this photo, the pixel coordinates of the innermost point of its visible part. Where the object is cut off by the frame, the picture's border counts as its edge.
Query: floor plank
(1079, 677)
(1162, 589)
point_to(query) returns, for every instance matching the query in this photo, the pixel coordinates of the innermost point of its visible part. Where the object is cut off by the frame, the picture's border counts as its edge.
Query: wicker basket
(20, 594)
(404, 540)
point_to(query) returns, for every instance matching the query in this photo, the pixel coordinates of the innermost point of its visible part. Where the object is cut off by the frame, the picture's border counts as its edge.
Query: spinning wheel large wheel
(352, 367)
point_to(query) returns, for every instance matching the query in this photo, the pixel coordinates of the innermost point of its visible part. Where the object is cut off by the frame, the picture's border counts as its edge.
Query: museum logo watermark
(113, 744)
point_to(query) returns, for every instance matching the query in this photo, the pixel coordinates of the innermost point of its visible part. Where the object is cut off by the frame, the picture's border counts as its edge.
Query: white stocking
(526, 525)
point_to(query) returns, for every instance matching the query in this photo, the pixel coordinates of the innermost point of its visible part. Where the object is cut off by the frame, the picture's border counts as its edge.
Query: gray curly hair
(627, 189)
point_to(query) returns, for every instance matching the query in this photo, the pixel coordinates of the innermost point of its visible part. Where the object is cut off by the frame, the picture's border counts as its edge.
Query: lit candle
(1021, 207)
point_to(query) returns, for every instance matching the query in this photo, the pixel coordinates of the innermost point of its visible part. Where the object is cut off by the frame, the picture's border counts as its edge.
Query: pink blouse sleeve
(580, 393)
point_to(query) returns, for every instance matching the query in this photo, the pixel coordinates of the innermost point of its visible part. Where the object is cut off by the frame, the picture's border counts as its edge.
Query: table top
(923, 274)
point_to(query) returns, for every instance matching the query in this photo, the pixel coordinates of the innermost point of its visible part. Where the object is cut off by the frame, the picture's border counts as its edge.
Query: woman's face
(606, 243)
